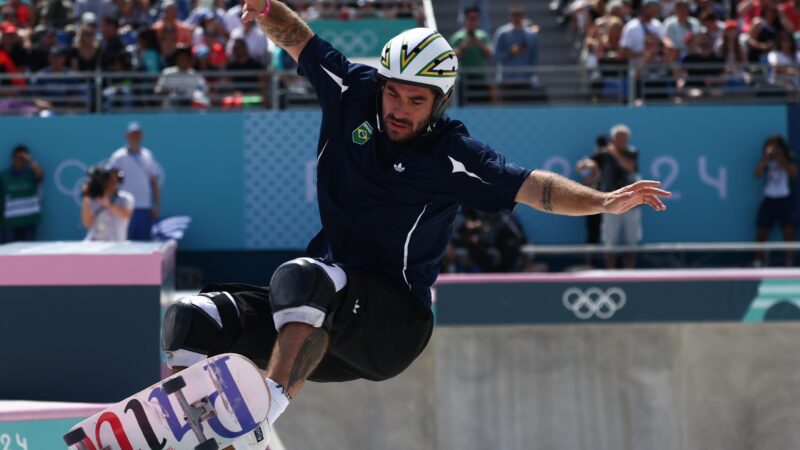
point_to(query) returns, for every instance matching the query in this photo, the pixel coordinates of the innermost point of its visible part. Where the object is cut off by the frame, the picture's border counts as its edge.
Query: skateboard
(206, 406)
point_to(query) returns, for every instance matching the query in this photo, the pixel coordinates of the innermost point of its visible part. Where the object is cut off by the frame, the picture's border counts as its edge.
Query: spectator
(474, 50)
(790, 10)
(711, 25)
(703, 68)
(135, 13)
(763, 33)
(55, 13)
(777, 205)
(111, 44)
(731, 50)
(84, 54)
(148, 52)
(617, 165)
(257, 41)
(20, 189)
(636, 30)
(171, 31)
(606, 58)
(242, 61)
(43, 40)
(107, 215)
(58, 81)
(656, 72)
(783, 62)
(208, 43)
(141, 180)
(11, 45)
(678, 26)
(23, 13)
(7, 63)
(233, 17)
(516, 46)
(181, 84)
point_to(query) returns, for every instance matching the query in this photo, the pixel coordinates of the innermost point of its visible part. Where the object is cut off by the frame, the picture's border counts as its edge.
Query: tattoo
(308, 357)
(285, 27)
(547, 194)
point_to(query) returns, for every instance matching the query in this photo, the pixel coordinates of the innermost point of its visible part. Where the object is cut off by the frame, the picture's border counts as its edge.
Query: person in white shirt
(106, 216)
(181, 84)
(636, 30)
(784, 61)
(141, 180)
(777, 205)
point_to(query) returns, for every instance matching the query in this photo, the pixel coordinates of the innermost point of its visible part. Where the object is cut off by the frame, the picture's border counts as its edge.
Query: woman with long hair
(777, 204)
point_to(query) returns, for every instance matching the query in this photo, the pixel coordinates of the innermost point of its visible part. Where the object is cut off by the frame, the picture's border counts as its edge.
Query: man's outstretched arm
(282, 25)
(550, 192)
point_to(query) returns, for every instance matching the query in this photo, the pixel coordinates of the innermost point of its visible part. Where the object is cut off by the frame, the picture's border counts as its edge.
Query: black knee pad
(188, 327)
(301, 283)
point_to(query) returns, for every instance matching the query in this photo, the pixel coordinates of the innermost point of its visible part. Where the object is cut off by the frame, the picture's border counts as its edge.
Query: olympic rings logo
(594, 302)
(353, 43)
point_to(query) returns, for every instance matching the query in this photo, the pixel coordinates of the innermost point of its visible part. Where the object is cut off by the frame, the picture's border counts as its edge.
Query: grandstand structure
(567, 71)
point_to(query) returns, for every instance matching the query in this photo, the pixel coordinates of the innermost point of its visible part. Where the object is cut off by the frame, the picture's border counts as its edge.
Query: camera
(97, 178)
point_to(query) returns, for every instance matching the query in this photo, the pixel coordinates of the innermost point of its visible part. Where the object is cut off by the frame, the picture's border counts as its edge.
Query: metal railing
(624, 84)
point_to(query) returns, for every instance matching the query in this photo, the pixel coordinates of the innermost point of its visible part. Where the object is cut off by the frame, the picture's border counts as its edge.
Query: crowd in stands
(698, 47)
(45, 43)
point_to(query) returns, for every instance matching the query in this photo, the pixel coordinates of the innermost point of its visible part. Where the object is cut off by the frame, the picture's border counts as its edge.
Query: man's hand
(642, 192)
(251, 9)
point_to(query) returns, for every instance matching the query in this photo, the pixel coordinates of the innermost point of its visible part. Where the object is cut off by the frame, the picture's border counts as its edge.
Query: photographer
(777, 205)
(20, 195)
(106, 209)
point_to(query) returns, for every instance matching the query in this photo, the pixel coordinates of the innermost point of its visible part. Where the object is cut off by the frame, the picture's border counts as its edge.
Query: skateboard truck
(195, 413)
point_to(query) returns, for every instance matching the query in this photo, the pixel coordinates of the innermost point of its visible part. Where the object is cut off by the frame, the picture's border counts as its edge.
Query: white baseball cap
(134, 126)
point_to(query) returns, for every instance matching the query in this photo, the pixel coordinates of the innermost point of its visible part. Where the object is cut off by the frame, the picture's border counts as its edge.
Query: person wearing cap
(637, 29)
(141, 180)
(11, 45)
(392, 172)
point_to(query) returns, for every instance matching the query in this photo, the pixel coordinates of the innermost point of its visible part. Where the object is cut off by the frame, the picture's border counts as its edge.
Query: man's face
(517, 16)
(620, 140)
(471, 21)
(406, 110)
(134, 137)
(19, 160)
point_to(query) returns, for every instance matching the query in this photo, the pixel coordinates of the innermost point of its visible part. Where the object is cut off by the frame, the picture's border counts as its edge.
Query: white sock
(280, 400)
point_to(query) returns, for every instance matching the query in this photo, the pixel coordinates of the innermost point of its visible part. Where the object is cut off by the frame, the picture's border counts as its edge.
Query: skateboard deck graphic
(206, 406)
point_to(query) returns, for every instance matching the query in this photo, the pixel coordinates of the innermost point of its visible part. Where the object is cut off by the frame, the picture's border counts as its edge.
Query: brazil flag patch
(362, 133)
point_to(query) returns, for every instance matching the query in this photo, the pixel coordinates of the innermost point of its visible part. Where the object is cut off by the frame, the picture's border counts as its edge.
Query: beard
(409, 130)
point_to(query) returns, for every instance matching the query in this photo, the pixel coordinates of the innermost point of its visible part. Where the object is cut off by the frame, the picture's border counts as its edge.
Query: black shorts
(780, 210)
(377, 330)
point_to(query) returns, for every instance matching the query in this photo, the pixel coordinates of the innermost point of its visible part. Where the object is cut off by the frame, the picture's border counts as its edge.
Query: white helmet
(422, 57)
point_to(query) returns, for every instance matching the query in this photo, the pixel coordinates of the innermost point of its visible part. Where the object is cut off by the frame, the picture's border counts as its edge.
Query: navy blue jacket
(387, 207)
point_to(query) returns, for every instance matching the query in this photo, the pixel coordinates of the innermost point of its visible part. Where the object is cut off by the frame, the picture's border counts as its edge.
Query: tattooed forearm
(547, 195)
(284, 26)
(309, 356)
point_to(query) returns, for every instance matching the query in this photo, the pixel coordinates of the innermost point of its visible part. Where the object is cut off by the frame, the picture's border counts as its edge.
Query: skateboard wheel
(174, 385)
(210, 444)
(74, 436)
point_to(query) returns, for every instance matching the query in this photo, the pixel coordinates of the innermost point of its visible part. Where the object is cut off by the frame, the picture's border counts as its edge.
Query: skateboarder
(393, 171)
